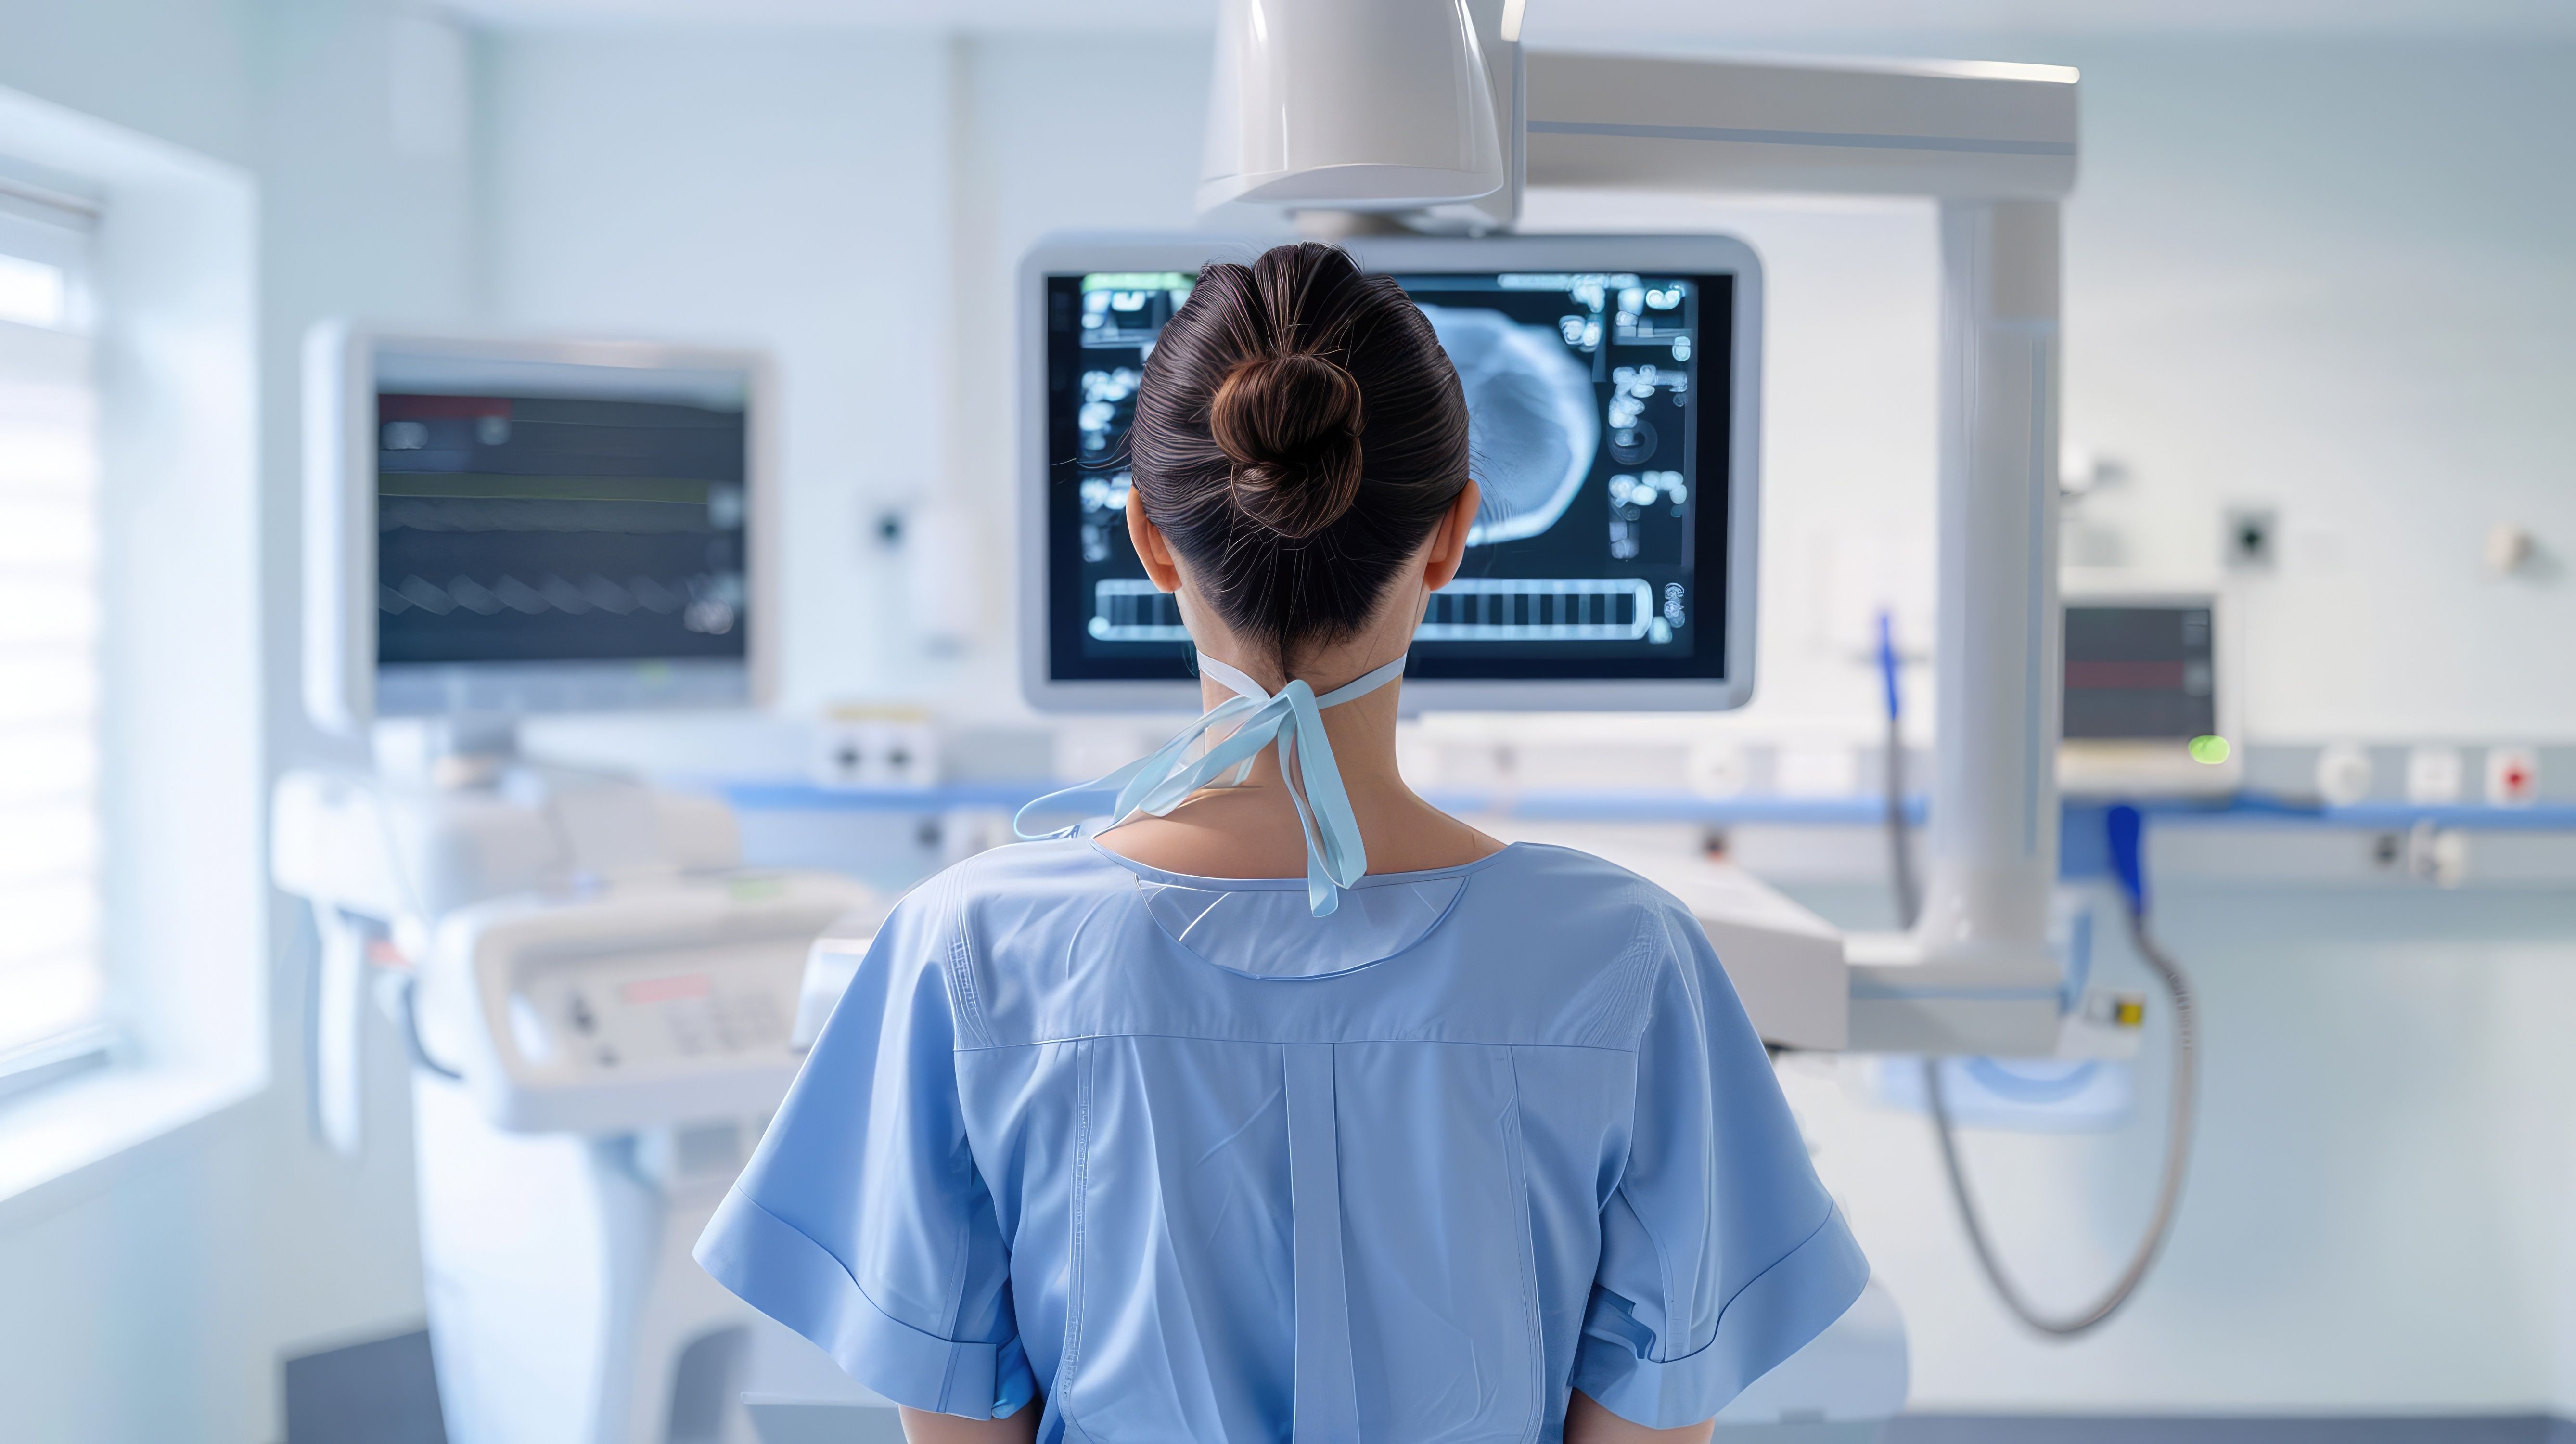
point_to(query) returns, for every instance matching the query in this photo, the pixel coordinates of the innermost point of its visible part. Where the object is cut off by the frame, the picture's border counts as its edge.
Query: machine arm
(1995, 146)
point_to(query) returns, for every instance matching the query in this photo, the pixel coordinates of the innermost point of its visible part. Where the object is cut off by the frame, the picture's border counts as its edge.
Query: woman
(1291, 1108)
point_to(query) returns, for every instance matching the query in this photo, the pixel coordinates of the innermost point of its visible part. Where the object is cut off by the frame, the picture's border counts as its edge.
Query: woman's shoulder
(1535, 943)
(1531, 885)
(1576, 888)
(1021, 877)
(1540, 885)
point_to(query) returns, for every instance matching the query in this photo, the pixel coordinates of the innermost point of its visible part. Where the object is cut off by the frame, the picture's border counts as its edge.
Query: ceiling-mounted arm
(1967, 129)
(1995, 144)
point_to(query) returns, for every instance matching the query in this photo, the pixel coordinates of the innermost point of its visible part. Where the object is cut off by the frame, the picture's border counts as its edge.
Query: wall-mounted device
(2148, 710)
(1613, 394)
(499, 527)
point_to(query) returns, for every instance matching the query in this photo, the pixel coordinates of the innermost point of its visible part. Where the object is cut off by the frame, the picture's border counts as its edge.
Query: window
(133, 892)
(52, 985)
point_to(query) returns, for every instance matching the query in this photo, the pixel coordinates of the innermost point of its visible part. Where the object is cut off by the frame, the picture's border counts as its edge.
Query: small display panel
(1598, 407)
(547, 538)
(2140, 673)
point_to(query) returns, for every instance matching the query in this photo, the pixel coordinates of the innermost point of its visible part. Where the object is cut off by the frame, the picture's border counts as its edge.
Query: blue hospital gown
(1197, 1165)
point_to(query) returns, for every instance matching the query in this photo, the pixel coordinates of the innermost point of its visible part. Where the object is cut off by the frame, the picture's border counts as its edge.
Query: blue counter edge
(2241, 809)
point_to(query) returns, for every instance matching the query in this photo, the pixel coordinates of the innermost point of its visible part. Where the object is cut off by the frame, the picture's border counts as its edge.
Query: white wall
(152, 1298)
(2334, 277)
(788, 191)
(181, 72)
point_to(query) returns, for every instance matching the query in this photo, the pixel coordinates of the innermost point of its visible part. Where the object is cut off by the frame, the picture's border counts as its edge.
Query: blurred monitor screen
(554, 537)
(2143, 673)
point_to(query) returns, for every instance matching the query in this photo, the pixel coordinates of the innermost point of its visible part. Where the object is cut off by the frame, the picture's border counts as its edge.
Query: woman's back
(1415, 1147)
(1196, 1164)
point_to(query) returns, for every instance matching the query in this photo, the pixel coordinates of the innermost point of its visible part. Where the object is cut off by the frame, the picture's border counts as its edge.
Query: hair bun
(1291, 426)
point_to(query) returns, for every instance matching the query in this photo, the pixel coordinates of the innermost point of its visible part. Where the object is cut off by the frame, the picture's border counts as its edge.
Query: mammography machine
(598, 1002)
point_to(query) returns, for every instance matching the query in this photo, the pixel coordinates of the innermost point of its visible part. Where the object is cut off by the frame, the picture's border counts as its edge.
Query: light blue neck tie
(1293, 718)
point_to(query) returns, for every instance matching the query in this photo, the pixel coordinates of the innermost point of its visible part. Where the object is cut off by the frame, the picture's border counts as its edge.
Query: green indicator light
(2209, 751)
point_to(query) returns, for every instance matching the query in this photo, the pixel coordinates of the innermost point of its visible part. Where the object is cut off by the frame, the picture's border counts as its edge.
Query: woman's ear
(1449, 539)
(1151, 549)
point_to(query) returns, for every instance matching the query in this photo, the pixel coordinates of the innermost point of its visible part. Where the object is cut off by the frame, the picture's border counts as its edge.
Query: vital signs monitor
(497, 528)
(1612, 388)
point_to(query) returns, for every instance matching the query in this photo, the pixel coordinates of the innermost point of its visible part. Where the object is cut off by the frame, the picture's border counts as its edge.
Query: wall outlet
(2513, 776)
(865, 748)
(2344, 774)
(2433, 776)
(2252, 540)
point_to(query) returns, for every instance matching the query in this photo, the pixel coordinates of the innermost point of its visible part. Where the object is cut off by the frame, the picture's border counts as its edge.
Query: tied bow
(1292, 718)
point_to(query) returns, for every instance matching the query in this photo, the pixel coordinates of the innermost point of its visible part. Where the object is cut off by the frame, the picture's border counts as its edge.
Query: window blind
(53, 988)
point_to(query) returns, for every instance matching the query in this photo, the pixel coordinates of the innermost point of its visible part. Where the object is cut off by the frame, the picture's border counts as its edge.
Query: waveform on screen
(692, 600)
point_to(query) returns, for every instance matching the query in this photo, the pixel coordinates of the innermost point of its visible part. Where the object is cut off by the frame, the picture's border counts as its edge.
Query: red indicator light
(667, 990)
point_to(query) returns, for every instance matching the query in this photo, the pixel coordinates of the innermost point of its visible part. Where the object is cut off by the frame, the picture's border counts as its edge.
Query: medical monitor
(500, 528)
(2148, 709)
(1612, 388)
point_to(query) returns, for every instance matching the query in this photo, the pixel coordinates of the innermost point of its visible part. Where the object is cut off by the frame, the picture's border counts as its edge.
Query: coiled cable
(2126, 828)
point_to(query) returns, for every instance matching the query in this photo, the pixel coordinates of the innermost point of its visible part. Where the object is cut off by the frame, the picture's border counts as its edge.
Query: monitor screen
(2139, 672)
(1599, 405)
(554, 537)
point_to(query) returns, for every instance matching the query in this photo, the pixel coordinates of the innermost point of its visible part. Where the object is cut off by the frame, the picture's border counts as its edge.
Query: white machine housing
(1357, 105)
(629, 1008)
(381, 861)
(601, 1009)
(343, 362)
(1669, 255)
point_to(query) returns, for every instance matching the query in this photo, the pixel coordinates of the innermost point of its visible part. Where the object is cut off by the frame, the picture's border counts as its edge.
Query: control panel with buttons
(633, 1006)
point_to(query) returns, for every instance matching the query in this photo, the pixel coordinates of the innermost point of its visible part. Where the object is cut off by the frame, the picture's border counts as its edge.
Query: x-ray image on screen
(1531, 417)
(1598, 431)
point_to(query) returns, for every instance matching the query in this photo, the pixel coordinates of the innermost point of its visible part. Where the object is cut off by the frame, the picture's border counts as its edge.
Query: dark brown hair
(1298, 433)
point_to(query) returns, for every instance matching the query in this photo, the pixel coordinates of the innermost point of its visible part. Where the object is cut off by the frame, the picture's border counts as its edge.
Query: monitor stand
(444, 752)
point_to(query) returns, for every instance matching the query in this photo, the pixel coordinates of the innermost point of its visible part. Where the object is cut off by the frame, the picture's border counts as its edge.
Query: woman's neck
(1361, 731)
(1253, 830)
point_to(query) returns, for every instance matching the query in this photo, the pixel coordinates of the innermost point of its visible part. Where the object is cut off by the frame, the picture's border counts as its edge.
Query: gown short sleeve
(861, 1222)
(1721, 1253)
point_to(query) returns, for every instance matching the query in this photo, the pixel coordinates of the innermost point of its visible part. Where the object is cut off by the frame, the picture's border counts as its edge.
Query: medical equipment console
(498, 527)
(1612, 392)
